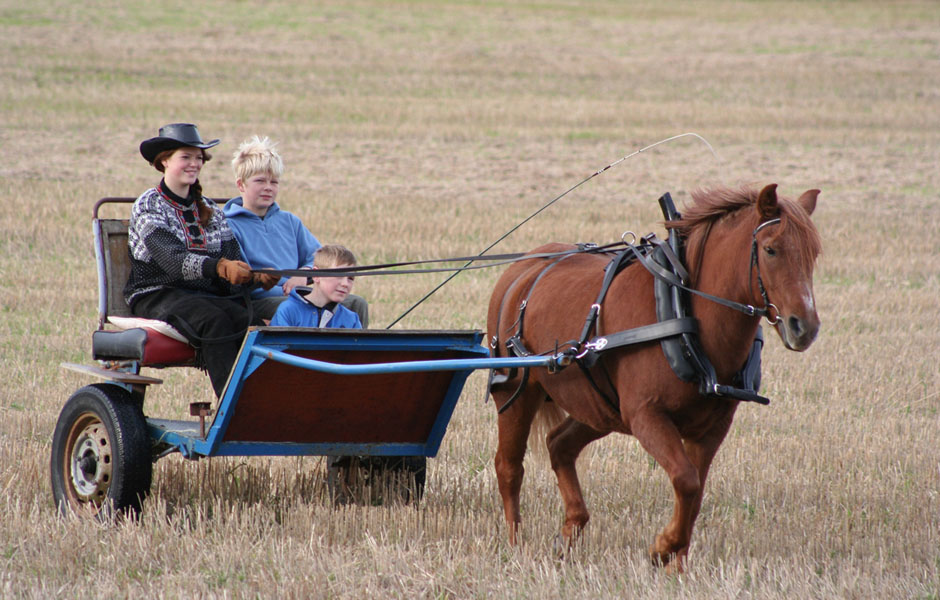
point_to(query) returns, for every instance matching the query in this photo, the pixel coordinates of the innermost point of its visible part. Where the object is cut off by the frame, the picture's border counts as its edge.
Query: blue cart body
(284, 399)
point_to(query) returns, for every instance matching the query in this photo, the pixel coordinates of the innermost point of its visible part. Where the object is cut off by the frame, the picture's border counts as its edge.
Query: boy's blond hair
(257, 155)
(333, 255)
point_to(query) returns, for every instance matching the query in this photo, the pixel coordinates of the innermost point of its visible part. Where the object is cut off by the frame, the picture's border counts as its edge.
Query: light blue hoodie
(278, 241)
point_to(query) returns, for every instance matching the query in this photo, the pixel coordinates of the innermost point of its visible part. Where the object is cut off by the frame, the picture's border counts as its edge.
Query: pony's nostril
(796, 326)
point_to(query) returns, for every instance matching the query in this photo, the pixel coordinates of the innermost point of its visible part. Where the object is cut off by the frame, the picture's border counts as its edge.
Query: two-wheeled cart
(388, 395)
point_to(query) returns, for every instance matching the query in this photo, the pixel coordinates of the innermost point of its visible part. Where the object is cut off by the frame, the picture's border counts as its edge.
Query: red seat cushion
(163, 350)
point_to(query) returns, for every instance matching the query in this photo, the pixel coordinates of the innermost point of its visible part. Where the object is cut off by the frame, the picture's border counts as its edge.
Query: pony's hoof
(675, 567)
(559, 547)
(671, 562)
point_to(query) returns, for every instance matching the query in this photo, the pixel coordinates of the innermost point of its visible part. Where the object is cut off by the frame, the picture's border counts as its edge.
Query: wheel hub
(90, 468)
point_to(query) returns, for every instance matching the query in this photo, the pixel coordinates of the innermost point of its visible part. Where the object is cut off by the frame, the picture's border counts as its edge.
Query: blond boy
(271, 238)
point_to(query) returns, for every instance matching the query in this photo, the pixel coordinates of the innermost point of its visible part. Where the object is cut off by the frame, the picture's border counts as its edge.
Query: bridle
(755, 266)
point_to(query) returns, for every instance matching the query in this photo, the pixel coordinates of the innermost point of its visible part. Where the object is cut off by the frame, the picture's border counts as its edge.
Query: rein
(496, 260)
(679, 281)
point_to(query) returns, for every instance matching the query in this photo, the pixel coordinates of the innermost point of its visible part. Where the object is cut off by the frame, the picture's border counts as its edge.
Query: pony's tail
(548, 417)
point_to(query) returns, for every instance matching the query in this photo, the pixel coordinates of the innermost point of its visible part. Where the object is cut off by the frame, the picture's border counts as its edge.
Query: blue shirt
(278, 241)
(297, 311)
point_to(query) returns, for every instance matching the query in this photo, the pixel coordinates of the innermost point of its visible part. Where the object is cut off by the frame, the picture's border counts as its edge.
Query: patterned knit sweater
(169, 248)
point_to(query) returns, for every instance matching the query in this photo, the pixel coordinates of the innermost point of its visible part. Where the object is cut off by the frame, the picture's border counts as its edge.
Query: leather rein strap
(495, 260)
(678, 277)
(681, 280)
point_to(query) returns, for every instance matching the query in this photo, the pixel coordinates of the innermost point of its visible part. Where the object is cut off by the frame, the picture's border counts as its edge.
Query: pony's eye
(770, 251)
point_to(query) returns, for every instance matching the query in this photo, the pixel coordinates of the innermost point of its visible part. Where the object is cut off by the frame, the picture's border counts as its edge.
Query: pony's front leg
(701, 453)
(659, 436)
(565, 444)
(514, 426)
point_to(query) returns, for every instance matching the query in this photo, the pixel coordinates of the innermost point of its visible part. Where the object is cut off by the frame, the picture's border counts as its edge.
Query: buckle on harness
(589, 355)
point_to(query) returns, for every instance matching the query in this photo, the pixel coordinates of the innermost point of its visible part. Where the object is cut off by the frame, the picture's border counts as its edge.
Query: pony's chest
(701, 415)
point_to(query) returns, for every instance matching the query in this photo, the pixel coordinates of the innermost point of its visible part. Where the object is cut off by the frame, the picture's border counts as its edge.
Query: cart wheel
(376, 480)
(101, 462)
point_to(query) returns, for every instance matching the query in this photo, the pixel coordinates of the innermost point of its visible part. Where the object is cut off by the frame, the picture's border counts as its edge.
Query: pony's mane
(714, 203)
(711, 205)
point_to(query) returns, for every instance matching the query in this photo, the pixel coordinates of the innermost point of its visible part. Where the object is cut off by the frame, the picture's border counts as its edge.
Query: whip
(553, 201)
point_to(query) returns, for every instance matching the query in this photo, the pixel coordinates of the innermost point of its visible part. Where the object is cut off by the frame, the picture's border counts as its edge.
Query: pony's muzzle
(798, 333)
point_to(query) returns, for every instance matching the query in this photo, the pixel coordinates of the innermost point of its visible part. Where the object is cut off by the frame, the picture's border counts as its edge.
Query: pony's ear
(808, 201)
(767, 202)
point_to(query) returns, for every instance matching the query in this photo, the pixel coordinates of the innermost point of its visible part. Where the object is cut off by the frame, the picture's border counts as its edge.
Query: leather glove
(266, 280)
(235, 272)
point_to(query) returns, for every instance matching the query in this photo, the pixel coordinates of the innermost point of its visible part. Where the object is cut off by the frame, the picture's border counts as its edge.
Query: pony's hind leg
(565, 444)
(514, 426)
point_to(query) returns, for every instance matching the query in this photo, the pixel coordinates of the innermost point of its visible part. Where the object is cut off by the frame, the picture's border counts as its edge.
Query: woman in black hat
(186, 266)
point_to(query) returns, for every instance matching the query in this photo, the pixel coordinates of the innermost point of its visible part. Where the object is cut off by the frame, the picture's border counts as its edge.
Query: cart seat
(159, 345)
(144, 344)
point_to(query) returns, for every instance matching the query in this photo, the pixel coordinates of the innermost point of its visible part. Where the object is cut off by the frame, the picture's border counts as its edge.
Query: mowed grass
(415, 130)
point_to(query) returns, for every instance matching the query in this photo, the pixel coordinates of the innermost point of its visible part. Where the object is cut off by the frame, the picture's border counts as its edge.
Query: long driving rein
(679, 278)
(495, 260)
(662, 260)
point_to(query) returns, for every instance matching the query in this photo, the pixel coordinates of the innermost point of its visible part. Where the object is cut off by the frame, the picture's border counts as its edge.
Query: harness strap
(525, 302)
(637, 335)
(517, 393)
(615, 265)
(515, 344)
(619, 262)
(674, 261)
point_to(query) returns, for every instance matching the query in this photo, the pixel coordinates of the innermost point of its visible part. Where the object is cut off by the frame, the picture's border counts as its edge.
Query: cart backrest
(114, 262)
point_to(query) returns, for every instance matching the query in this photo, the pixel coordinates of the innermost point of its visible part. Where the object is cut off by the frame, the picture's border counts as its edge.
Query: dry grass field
(420, 129)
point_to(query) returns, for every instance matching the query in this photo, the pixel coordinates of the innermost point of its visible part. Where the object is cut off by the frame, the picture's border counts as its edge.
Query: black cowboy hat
(174, 135)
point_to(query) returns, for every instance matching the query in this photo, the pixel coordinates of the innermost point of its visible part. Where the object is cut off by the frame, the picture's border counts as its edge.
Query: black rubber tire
(376, 480)
(101, 462)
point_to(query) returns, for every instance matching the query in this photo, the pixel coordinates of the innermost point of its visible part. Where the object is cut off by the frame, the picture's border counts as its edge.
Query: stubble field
(414, 130)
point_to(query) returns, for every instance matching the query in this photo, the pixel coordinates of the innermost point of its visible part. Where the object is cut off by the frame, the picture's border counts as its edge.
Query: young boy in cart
(320, 305)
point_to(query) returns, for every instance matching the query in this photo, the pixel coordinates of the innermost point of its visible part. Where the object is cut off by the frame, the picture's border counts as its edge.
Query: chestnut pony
(676, 424)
